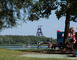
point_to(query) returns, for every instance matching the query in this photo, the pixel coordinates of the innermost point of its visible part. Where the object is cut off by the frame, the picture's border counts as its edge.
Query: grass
(6, 54)
(11, 44)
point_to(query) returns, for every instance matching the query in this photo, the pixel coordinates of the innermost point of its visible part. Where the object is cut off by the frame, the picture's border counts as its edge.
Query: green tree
(1, 41)
(16, 39)
(67, 8)
(10, 12)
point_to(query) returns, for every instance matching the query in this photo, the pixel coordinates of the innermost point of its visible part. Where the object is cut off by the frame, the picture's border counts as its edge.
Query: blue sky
(49, 28)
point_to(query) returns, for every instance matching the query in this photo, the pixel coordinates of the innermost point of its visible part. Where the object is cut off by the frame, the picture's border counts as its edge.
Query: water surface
(23, 47)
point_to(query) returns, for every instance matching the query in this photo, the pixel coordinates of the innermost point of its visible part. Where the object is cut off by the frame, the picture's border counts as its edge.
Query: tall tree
(67, 8)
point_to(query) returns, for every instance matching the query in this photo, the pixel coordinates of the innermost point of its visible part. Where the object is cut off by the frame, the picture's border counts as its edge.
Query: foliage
(10, 11)
(64, 5)
(43, 9)
(11, 39)
(66, 8)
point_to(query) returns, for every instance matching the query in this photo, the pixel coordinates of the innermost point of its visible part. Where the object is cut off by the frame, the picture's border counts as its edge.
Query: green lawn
(6, 54)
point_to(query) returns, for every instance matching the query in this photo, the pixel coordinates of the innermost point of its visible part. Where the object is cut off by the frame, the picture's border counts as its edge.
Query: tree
(10, 11)
(67, 8)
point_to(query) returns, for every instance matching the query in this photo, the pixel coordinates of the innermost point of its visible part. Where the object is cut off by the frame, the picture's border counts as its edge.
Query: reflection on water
(23, 47)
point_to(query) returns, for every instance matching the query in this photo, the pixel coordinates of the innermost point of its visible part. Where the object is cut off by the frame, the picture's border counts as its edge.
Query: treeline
(16, 39)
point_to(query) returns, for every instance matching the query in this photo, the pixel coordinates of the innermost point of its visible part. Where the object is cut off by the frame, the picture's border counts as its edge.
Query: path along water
(61, 56)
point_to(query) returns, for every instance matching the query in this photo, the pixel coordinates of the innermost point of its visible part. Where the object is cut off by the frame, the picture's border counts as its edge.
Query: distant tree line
(17, 39)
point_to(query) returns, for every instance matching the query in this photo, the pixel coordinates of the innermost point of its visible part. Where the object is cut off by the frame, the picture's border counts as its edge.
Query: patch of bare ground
(66, 51)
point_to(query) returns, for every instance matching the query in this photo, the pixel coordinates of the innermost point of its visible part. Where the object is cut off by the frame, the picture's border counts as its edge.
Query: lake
(23, 47)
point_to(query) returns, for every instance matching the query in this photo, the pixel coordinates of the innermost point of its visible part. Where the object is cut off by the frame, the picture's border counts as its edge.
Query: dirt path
(63, 56)
(50, 54)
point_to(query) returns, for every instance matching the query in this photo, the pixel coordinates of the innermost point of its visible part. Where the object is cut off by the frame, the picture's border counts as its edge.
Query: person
(49, 44)
(71, 36)
(38, 44)
(60, 44)
(75, 46)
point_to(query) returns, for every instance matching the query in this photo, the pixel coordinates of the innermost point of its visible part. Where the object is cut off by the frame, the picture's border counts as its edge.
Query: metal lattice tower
(39, 31)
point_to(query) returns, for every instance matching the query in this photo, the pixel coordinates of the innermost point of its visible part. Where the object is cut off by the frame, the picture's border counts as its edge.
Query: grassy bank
(6, 54)
(12, 44)
(21, 44)
(17, 44)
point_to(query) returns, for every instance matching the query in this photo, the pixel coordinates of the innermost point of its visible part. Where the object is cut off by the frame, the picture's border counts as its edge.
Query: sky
(49, 27)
